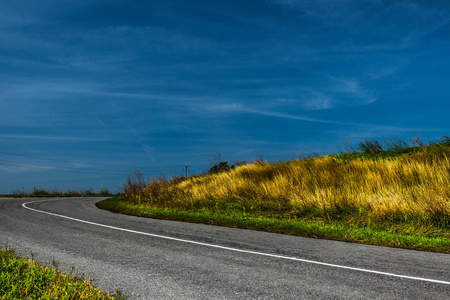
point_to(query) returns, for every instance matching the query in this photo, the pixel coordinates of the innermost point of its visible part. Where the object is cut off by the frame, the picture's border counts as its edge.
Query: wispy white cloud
(379, 73)
(100, 122)
(129, 95)
(335, 92)
(352, 89)
(289, 116)
(56, 138)
(423, 19)
(24, 42)
(32, 90)
(227, 107)
(319, 101)
(237, 107)
(8, 20)
(20, 168)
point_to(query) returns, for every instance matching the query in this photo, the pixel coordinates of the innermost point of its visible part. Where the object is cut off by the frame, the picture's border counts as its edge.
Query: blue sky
(90, 90)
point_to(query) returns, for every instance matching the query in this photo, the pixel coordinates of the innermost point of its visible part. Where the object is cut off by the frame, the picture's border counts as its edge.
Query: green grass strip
(333, 230)
(24, 279)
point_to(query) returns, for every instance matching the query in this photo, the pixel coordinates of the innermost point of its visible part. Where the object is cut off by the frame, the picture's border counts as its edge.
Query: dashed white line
(234, 249)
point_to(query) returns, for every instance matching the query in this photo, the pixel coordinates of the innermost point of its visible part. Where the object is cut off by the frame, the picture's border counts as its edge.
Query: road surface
(158, 259)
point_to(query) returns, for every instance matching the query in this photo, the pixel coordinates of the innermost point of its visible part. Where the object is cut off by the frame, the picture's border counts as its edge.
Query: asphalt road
(157, 259)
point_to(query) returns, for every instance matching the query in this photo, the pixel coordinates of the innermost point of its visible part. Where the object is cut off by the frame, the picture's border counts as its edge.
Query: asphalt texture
(152, 267)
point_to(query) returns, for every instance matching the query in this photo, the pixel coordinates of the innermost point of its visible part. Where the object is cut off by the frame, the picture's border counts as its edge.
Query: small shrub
(370, 146)
(87, 192)
(220, 167)
(18, 193)
(260, 161)
(105, 192)
(40, 192)
(445, 140)
(135, 185)
(417, 142)
(396, 144)
(157, 186)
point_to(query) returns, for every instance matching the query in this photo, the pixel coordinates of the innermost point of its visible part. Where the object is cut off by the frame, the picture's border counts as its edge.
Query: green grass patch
(357, 230)
(25, 279)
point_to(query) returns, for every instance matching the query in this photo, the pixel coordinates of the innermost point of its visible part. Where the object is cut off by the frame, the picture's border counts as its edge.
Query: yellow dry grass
(408, 186)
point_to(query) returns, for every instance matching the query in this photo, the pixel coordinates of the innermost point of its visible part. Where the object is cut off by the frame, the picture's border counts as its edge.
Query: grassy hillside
(395, 195)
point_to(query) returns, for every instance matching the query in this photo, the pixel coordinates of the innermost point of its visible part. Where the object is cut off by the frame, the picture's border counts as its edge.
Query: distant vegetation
(395, 193)
(26, 279)
(39, 192)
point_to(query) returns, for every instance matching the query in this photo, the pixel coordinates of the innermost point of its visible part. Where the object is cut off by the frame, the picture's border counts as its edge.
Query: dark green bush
(220, 167)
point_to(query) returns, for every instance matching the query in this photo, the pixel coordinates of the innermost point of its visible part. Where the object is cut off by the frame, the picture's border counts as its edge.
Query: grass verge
(395, 235)
(24, 279)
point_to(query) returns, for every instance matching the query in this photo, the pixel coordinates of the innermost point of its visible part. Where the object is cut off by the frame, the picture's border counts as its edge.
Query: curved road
(157, 259)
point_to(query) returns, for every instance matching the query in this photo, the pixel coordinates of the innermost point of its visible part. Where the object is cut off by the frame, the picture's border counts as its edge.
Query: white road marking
(233, 249)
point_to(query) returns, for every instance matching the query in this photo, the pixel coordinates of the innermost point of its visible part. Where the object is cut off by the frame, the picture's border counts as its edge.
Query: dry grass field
(401, 189)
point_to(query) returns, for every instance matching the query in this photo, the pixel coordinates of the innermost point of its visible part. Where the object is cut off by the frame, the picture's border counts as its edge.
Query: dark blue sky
(90, 90)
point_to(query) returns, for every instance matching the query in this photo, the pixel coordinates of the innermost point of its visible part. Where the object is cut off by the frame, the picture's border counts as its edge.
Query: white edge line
(233, 249)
